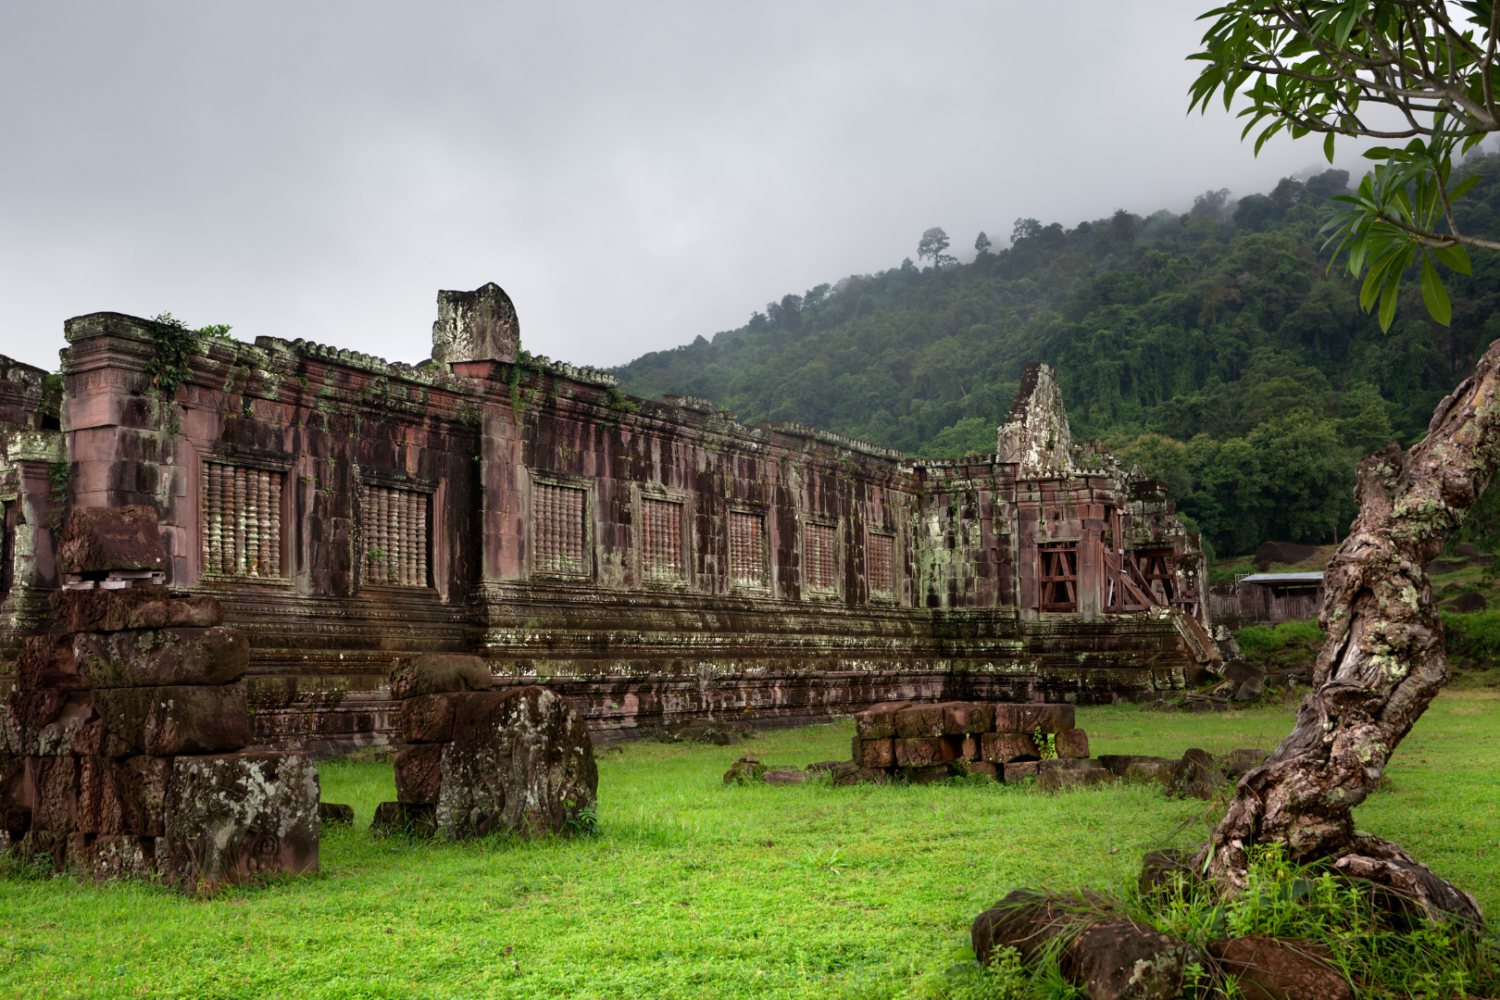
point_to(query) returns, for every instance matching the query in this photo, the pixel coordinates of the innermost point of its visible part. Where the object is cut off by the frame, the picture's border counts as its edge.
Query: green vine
(59, 473)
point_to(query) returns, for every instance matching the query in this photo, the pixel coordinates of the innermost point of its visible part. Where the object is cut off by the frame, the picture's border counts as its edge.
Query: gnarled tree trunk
(1382, 662)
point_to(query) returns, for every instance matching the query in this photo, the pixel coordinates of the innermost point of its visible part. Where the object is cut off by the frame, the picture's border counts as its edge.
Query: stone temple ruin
(651, 562)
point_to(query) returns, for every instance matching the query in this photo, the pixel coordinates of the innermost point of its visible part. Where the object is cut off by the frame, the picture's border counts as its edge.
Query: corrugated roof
(1282, 578)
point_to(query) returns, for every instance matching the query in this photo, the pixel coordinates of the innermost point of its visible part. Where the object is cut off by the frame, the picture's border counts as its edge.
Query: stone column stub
(475, 326)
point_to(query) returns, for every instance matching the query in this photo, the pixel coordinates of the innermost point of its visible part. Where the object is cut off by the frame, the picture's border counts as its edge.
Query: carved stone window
(747, 549)
(395, 523)
(661, 540)
(241, 521)
(818, 542)
(880, 565)
(557, 526)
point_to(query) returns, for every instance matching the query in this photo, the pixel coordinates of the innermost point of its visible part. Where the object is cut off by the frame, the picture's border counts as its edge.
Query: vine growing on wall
(175, 343)
(58, 474)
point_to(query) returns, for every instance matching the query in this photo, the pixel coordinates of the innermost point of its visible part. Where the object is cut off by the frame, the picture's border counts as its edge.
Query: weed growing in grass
(965, 979)
(15, 868)
(1385, 947)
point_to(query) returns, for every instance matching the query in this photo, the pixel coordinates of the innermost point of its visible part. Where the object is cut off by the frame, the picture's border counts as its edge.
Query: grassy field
(692, 889)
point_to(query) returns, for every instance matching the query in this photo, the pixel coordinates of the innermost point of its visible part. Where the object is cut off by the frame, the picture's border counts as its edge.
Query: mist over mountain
(1216, 348)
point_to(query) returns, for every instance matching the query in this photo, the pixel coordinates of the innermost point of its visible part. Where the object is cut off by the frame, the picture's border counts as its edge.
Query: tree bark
(1381, 664)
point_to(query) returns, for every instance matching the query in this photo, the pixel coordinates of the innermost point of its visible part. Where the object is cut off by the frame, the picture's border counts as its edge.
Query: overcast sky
(632, 174)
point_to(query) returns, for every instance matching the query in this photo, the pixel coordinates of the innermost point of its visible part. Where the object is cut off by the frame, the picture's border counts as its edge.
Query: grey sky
(632, 174)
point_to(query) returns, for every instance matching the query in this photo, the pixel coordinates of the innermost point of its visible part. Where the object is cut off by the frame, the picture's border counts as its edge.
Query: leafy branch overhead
(1420, 70)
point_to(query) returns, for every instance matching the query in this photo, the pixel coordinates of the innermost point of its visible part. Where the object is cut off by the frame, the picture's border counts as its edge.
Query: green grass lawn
(697, 890)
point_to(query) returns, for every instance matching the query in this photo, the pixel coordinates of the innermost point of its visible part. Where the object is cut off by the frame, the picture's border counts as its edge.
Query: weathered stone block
(522, 761)
(415, 819)
(439, 673)
(46, 664)
(1144, 772)
(931, 774)
(165, 721)
(962, 717)
(101, 806)
(16, 796)
(54, 785)
(744, 771)
(27, 713)
(231, 817)
(972, 747)
(1280, 969)
(1002, 748)
(785, 776)
(419, 773)
(1072, 743)
(850, 773)
(876, 753)
(924, 751)
(114, 856)
(920, 721)
(1197, 776)
(143, 786)
(99, 539)
(428, 718)
(991, 771)
(1029, 718)
(1019, 771)
(1117, 763)
(158, 657)
(1055, 779)
(878, 722)
(133, 607)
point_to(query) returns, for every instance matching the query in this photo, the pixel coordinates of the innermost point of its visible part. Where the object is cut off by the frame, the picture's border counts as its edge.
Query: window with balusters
(241, 521)
(747, 549)
(558, 530)
(661, 540)
(395, 529)
(880, 565)
(818, 558)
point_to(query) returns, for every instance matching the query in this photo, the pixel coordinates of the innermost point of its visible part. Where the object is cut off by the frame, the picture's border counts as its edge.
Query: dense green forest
(1214, 348)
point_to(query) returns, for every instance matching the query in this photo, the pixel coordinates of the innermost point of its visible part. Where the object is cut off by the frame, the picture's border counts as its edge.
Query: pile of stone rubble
(121, 745)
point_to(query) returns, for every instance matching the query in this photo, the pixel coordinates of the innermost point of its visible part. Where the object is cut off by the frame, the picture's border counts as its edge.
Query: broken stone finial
(1036, 434)
(475, 326)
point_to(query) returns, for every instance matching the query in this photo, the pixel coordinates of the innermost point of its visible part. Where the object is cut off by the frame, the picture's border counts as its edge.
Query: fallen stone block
(1167, 871)
(1056, 775)
(1267, 968)
(1072, 743)
(961, 718)
(100, 539)
(920, 721)
(1196, 776)
(419, 773)
(876, 753)
(878, 722)
(167, 721)
(46, 664)
(785, 776)
(415, 819)
(1106, 954)
(233, 817)
(1239, 671)
(1117, 763)
(1031, 718)
(1019, 771)
(335, 813)
(1002, 748)
(1147, 772)
(439, 673)
(1251, 689)
(851, 773)
(930, 775)
(991, 771)
(522, 762)
(744, 770)
(924, 752)
(821, 767)
(141, 606)
(160, 657)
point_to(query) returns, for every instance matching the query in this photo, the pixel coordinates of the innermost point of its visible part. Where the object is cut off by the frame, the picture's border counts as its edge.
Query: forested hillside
(1214, 348)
